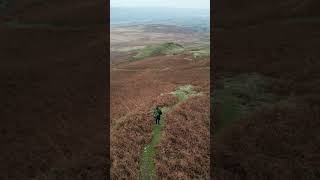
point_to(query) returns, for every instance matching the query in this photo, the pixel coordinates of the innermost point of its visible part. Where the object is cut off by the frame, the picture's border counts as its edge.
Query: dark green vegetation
(162, 49)
(171, 49)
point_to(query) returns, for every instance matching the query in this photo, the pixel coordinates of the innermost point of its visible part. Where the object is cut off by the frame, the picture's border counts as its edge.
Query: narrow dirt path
(147, 159)
(147, 166)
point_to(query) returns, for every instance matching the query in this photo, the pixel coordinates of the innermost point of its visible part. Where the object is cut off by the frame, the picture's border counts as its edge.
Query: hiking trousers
(157, 120)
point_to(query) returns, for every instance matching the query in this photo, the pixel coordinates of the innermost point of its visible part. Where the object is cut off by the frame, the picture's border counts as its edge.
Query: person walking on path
(157, 114)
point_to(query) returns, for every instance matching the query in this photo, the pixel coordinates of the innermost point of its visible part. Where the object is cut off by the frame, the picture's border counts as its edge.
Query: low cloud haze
(199, 4)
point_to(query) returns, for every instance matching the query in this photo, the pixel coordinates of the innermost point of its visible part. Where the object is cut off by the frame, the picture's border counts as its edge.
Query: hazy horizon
(163, 15)
(161, 7)
(179, 4)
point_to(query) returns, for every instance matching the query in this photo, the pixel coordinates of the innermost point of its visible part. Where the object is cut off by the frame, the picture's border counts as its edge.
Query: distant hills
(199, 18)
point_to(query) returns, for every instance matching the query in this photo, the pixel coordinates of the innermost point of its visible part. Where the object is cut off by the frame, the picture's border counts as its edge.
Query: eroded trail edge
(147, 159)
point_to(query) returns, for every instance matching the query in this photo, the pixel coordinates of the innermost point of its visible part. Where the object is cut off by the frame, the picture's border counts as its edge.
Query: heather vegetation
(154, 62)
(184, 151)
(170, 82)
(147, 160)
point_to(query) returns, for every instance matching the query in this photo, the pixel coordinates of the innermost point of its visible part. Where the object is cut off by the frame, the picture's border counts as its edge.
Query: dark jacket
(157, 113)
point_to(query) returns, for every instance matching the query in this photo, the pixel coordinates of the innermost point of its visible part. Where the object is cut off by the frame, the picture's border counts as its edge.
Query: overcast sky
(198, 4)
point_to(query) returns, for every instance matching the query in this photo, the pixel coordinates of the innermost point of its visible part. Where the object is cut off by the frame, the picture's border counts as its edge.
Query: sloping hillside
(180, 86)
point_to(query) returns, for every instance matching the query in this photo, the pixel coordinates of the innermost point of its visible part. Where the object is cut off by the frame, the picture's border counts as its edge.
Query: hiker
(157, 114)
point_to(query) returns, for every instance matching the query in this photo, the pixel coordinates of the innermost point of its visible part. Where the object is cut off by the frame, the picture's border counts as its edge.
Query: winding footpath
(147, 165)
(147, 158)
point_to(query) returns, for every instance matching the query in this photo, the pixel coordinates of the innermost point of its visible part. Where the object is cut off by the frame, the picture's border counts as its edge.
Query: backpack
(156, 113)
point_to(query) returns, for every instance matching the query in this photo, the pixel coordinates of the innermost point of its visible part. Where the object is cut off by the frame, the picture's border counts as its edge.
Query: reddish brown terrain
(136, 87)
(184, 151)
(53, 91)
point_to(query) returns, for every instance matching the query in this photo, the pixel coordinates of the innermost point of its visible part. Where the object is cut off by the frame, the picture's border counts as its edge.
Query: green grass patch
(127, 49)
(201, 53)
(149, 151)
(147, 168)
(183, 92)
(162, 49)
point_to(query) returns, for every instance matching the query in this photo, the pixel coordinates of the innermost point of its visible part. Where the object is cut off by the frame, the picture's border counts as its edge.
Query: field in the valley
(125, 39)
